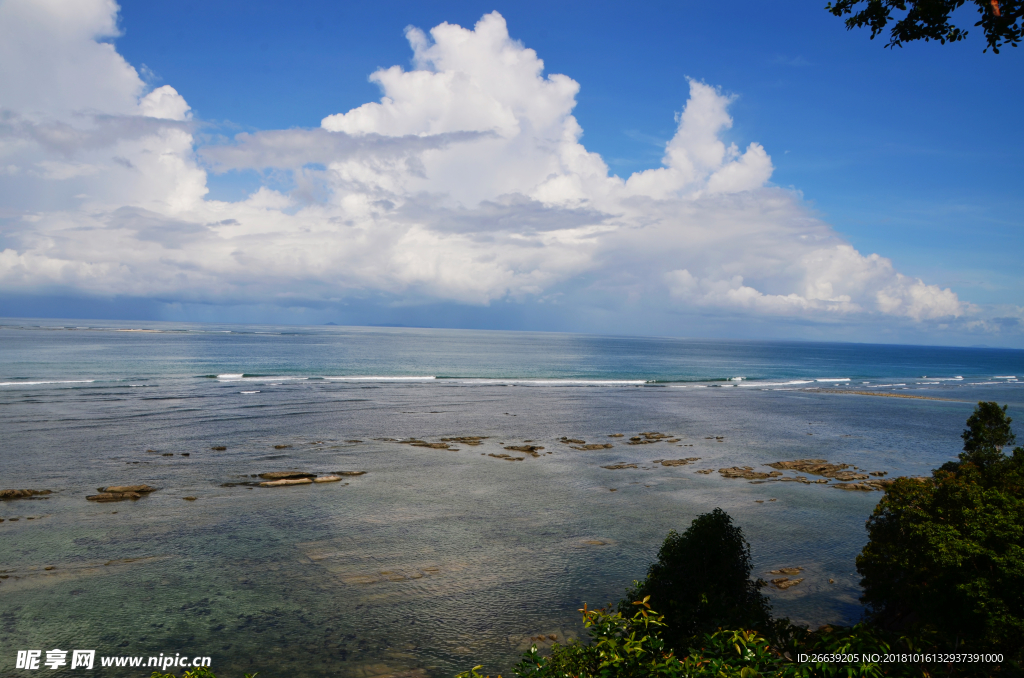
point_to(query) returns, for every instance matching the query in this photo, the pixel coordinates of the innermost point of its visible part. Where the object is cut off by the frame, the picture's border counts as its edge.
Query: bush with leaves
(945, 558)
(201, 672)
(632, 647)
(701, 582)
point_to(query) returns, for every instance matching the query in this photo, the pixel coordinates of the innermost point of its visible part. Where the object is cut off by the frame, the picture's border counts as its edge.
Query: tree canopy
(945, 556)
(701, 581)
(931, 19)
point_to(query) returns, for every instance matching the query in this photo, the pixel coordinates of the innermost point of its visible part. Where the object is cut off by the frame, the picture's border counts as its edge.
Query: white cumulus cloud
(465, 183)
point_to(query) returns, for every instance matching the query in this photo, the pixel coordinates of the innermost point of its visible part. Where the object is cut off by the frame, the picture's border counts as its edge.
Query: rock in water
(746, 472)
(784, 583)
(113, 496)
(327, 479)
(285, 475)
(287, 481)
(23, 494)
(787, 570)
(120, 489)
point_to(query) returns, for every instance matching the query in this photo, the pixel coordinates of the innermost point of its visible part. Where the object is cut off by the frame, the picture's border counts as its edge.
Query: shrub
(701, 582)
(945, 556)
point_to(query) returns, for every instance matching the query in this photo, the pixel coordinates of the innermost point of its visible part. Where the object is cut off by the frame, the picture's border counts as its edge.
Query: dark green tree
(930, 19)
(945, 556)
(987, 433)
(701, 582)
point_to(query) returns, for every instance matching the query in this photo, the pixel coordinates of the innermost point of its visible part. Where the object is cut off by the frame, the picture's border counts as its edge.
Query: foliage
(945, 556)
(201, 672)
(632, 647)
(701, 581)
(930, 19)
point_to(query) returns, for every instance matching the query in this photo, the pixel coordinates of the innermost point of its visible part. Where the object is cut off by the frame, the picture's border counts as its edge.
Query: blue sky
(912, 153)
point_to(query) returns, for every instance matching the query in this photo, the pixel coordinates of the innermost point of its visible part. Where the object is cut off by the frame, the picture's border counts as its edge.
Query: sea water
(435, 560)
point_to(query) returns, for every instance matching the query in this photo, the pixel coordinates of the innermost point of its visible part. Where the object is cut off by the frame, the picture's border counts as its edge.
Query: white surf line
(379, 378)
(36, 383)
(550, 382)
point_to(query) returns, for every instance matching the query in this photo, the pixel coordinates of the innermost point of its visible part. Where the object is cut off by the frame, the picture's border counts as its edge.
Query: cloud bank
(466, 183)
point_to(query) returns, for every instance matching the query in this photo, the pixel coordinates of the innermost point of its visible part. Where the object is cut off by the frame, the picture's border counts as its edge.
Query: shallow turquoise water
(435, 560)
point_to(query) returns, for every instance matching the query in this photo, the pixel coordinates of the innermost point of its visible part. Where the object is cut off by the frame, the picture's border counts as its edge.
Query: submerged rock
(281, 447)
(593, 446)
(189, 498)
(618, 467)
(783, 583)
(104, 497)
(472, 441)
(648, 437)
(857, 487)
(677, 462)
(349, 473)
(23, 494)
(615, 435)
(787, 570)
(507, 457)
(572, 441)
(528, 449)
(120, 489)
(219, 448)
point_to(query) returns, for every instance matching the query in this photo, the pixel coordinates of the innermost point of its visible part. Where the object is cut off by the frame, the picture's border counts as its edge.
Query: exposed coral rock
(705, 471)
(350, 473)
(287, 481)
(746, 472)
(141, 489)
(787, 570)
(784, 583)
(677, 462)
(861, 487)
(466, 440)
(23, 494)
(572, 441)
(615, 435)
(618, 467)
(593, 446)
(327, 479)
(189, 498)
(113, 496)
(819, 467)
(281, 447)
(286, 475)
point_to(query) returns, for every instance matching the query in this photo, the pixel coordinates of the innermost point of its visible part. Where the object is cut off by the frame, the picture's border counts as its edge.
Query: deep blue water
(436, 559)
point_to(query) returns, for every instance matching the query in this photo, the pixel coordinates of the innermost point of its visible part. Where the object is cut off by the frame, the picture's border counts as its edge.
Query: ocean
(443, 554)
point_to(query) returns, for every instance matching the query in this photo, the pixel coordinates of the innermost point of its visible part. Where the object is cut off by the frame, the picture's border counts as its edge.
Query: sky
(749, 171)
